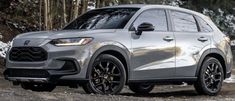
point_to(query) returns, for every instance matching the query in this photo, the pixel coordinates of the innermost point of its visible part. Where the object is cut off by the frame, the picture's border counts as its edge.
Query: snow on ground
(230, 80)
(3, 48)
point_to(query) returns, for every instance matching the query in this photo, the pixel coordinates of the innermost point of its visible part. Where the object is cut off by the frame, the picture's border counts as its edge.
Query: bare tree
(40, 15)
(84, 6)
(45, 15)
(76, 9)
(49, 9)
(97, 4)
(64, 12)
(100, 3)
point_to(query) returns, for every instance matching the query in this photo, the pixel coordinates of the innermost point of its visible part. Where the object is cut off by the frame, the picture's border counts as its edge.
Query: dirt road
(8, 92)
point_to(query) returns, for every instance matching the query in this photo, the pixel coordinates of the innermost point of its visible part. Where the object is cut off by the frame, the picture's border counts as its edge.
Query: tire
(141, 88)
(38, 87)
(210, 78)
(106, 76)
(86, 88)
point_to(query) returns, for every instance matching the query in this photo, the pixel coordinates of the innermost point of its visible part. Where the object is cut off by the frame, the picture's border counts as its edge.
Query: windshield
(109, 18)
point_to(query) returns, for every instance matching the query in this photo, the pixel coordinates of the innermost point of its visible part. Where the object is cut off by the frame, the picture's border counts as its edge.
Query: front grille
(27, 73)
(27, 54)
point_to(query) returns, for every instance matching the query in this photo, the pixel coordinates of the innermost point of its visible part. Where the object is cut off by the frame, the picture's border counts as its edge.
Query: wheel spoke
(107, 65)
(218, 74)
(207, 77)
(104, 88)
(214, 86)
(209, 68)
(97, 72)
(99, 84)
(95, 78)
(111, 88)
(115, 82)
(217, 80)
(112, 71)
(106, 69)
(213, 66)
(100, 65)
(208, 84)
(216, 69)
(115, 75)
(207, 73)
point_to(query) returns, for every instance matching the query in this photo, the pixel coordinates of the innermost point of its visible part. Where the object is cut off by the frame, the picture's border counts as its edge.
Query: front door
(153, 52)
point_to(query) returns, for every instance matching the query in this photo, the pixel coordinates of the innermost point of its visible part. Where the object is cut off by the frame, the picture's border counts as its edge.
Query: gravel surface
(8, 92)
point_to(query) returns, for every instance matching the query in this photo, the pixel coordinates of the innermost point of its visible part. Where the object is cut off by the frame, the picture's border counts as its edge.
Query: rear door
(190, 43)
(153, 52)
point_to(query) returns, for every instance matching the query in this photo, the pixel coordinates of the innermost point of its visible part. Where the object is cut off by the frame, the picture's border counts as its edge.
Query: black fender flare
(205, 54)
(109, 48)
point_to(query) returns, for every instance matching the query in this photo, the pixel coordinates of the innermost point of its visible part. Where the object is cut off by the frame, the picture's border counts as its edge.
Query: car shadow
(181, 93)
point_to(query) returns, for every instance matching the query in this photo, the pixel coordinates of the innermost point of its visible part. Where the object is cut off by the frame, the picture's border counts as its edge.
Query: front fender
(108, 46)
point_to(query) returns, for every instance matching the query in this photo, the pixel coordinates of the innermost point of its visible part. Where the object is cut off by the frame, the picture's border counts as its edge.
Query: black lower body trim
(190, 80)
(228, 75)
(34, 75)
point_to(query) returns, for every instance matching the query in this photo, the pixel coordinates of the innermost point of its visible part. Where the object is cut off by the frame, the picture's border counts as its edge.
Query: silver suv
(136, 45)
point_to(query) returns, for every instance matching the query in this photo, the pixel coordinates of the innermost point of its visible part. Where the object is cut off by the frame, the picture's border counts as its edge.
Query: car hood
(43, 37)
(62, 34)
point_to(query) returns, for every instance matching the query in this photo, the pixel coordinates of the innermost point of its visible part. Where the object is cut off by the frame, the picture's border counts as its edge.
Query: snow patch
(3, 48)
(230, 80)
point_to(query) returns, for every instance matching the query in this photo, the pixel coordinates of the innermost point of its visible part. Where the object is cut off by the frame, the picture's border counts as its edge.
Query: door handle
(168, 38)
(202, 39)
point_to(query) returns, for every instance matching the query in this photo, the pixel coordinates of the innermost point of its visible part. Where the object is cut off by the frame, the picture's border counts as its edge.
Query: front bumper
(62, 63)
(70, 67)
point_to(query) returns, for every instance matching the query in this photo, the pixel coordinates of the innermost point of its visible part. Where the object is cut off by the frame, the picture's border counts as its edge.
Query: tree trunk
(102, 3)
(49, 6)
(97, 4)
(84, 6)
(71, 10)
(64, 12)
(76, 9)
(45, 15)
(40, 15)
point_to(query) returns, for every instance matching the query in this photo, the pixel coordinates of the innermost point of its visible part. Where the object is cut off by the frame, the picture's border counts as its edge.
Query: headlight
(71, 41)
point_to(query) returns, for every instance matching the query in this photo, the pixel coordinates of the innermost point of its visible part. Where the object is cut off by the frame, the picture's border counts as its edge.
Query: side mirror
(144, 27)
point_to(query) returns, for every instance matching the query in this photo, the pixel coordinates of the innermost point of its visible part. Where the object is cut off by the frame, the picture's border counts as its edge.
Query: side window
(205, 27)
(184, 22)
(155, 17)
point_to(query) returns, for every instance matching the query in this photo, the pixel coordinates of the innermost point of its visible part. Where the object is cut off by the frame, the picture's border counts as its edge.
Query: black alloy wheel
(107, 76)
(211, 77)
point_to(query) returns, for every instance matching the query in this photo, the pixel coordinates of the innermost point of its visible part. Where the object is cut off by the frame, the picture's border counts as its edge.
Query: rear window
(205, 27)
(184, 22)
